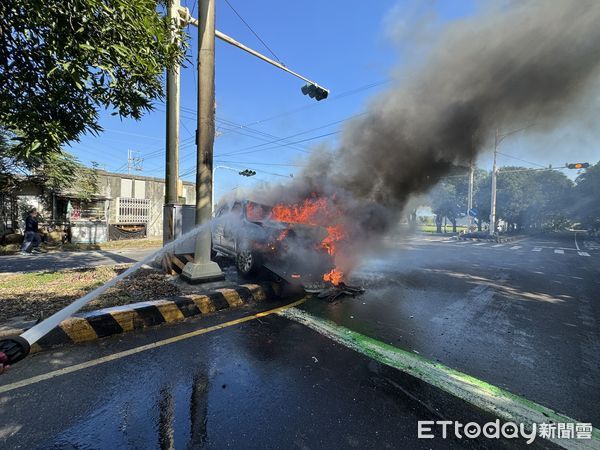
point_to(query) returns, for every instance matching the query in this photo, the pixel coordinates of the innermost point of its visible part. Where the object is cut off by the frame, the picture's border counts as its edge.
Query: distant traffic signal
(247, 173)
(315, 91)
(578, 165)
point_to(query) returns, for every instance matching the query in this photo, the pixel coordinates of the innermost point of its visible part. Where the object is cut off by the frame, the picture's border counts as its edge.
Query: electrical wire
(253, 32)
(519, 159)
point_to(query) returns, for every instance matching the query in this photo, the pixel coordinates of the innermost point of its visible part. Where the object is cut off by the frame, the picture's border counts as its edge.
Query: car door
(218, 229)
(231, 226)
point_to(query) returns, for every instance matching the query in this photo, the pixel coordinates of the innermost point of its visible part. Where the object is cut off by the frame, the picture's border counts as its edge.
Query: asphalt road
(523, 319)
(70, 260)
(524, 316)
(268, 383)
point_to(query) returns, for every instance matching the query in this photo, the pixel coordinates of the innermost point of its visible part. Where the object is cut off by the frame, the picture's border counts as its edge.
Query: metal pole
(203, 269)
(494, 176)
(188, 18)
(172, 125)
(470, 197)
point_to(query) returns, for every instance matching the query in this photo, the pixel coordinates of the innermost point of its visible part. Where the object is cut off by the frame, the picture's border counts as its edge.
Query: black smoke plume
(511, 66)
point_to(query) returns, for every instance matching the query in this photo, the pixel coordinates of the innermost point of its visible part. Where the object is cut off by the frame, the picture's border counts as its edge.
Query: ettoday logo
(429, 429)
(472, 430)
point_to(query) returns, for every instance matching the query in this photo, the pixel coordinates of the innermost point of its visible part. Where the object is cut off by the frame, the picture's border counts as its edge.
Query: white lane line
(560, 252)
(464, 242)
(576, 244)
(480, 243)
(516, 247)
(497, 245)
(537, 249)
(583, 254)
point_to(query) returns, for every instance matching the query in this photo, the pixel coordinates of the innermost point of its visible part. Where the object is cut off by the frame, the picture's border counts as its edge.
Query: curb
(105, 322)
(173, 264)
(500, 240)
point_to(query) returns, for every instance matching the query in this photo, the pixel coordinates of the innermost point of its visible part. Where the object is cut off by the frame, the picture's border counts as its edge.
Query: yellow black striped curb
(121, 319)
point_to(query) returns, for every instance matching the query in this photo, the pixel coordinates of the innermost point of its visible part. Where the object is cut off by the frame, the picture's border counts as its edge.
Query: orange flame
(334, 276)
(316, 211)
(311, 211)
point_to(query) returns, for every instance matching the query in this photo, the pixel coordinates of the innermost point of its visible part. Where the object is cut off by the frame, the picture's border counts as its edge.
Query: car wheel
(247, 262)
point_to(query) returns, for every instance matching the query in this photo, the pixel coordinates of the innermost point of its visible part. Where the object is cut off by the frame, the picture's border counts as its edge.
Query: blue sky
(346, 46)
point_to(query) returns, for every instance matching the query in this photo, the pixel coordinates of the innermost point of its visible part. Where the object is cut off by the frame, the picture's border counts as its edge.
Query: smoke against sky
(509, 68)
(535, 62)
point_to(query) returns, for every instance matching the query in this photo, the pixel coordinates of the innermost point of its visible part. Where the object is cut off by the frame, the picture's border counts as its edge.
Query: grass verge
(40, 294)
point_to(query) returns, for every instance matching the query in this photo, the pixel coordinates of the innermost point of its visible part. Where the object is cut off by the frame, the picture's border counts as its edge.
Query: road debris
(333, 293)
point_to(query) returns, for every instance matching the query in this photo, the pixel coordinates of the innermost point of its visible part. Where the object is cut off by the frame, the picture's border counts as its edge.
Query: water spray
(14, 348)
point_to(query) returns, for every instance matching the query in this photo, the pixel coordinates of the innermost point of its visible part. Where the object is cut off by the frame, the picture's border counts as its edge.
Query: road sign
(472, 212)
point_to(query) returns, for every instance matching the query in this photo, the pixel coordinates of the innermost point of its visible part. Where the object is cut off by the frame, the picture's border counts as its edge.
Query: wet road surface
(520, 319)
(519, 315)
(268, 383)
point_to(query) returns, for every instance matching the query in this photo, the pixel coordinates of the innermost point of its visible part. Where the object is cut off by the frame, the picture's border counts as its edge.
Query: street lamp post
(498, 138)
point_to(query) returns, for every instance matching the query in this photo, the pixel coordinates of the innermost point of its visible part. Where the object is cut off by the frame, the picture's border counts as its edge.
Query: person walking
(31, 238)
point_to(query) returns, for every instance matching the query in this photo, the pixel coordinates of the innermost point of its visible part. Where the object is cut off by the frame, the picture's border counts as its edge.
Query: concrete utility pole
(203, 269)
(494, 176)
(470, 196)
(172, 141)
(173, 99)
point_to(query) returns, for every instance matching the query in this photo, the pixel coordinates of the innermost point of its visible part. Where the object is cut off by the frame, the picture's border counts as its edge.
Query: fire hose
(14, 348)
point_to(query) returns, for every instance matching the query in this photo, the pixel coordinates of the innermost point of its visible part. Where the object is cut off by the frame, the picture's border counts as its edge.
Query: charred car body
(248, 233)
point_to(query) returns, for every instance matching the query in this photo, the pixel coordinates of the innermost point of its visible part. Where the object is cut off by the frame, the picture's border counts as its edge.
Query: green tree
(526, 199)
(549, 192)
(61, 61)
(444, 204)
(585, 199)
(53, 172)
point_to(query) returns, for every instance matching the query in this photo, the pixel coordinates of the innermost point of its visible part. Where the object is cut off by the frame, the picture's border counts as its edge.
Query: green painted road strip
(503, 404)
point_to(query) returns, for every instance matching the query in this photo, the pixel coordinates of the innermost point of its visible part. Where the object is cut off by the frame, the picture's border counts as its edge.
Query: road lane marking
(583, 254)
(560, 252)
(464, 242)
(576, 244)
(497, 401)
(480, 243)
(143, 348)
(537, 249)
(516, 247)
(497, 245)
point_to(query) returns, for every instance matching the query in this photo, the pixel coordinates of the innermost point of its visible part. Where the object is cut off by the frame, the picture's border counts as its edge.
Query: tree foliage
(525, 198)
(61, 61)
(586, 198)
(54, 172)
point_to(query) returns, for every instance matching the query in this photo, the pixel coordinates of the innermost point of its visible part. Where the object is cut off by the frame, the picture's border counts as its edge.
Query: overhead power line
(522, 160)
(253, 32)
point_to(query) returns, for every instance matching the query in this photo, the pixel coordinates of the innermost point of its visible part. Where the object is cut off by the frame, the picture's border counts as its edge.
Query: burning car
(257, 235)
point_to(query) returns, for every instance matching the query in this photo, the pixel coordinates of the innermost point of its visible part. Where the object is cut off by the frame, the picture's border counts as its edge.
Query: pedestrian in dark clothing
(31, 239)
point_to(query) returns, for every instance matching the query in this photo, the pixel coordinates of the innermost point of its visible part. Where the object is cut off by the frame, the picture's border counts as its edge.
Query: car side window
(222, 211)
(236, 210)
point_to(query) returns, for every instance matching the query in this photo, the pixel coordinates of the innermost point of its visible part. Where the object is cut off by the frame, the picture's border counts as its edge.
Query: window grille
(133, 210)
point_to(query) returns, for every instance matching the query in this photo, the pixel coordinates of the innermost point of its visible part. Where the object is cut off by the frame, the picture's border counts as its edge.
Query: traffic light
(247, 173)
(578, 165)
(315, 91)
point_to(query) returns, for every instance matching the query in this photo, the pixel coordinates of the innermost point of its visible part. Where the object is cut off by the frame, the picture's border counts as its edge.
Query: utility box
(177, 221)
